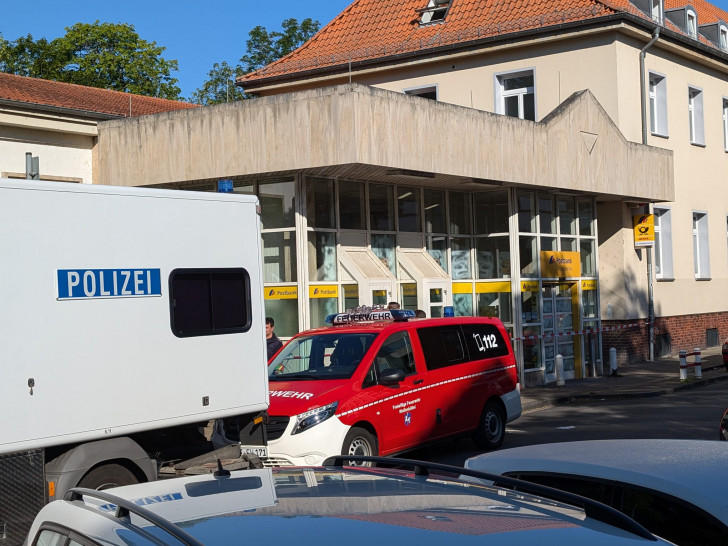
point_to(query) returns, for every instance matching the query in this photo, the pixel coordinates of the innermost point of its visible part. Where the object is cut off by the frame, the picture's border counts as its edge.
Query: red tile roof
(81, 98)
(372, 29)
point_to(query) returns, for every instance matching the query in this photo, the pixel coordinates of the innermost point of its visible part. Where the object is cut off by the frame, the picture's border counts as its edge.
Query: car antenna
(221, 472)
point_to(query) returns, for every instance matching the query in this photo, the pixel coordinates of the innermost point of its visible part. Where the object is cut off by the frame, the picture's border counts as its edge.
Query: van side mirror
(391, 377)
(724, 426)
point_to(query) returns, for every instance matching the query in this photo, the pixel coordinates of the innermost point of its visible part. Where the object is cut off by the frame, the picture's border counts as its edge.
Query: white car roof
(693, 470)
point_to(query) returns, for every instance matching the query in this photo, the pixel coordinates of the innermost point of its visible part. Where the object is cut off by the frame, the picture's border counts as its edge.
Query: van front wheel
(491, 429)
(361, 442)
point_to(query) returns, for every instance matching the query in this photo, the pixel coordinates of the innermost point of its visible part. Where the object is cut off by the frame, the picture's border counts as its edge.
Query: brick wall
(672, 334)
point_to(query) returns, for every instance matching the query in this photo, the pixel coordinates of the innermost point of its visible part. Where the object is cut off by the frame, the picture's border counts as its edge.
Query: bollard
(698, 367)
(559, 371)
(613, 362)
(683, 366)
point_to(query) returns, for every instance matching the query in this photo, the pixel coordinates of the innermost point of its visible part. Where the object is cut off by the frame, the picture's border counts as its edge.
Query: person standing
(273, 344)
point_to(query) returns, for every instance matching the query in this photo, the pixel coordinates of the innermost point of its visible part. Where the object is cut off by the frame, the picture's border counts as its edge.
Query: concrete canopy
(358, 132)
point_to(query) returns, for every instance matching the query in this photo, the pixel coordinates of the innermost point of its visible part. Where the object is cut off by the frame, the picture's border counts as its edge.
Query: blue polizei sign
(80, 284)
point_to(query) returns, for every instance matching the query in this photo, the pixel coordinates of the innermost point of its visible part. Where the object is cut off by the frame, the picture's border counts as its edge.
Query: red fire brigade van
(384, 382)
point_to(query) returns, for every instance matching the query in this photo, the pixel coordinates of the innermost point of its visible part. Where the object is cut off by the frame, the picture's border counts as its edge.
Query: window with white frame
(658, 104)
(725, 124)
(656, 10)
(695, 115)
(692, 23)
(515, 94)
(663, 243)
(723, 37)
(426, 92)
(701, 254)
(435, 11)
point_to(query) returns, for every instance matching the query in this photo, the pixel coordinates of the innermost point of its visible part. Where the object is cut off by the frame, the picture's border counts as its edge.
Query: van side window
(207, 302)
(395, 353)
(484, 341)
(443, 346)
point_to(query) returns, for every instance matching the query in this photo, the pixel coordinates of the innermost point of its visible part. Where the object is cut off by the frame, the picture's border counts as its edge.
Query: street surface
(690, 414)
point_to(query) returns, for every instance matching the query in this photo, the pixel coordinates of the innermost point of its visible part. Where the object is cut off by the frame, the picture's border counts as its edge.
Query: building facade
(659, 68)
(369, 195)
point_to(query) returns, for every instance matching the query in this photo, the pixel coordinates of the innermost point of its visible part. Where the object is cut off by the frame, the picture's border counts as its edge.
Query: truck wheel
(360, 441)
(491, 429)
(107, 476)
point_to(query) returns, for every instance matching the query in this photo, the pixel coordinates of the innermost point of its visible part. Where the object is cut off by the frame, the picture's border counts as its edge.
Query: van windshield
(324, 356)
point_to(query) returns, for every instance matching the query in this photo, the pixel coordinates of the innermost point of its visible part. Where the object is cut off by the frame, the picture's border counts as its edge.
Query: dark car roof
(330, 505)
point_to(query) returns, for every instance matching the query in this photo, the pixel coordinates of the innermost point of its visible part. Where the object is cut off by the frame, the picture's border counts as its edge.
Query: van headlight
(305, 421)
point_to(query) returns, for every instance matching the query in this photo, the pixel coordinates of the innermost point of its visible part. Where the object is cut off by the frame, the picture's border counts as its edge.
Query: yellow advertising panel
(495, 287)
(323, 291)
(409, 290)
(588, 285)
(529, 286)
(281, 292)
(557, 264)
(462, 288)
(644, 230)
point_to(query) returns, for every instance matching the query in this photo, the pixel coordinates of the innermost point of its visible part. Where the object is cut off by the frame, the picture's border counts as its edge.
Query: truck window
(207, 302)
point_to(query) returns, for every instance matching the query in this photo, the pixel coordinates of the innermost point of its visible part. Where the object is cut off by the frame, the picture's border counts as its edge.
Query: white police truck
(129, 318)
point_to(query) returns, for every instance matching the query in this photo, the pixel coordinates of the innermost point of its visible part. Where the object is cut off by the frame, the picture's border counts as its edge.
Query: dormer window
(692, 24)
(723, 38)
(435, 11)
(656, 10)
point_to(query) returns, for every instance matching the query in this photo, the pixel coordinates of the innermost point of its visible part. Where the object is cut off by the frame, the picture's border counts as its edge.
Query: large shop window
(408, 209)
(381, 207)
(279, 256)
(320, 203)
(351, 205)
(278, 204)
(209, 301)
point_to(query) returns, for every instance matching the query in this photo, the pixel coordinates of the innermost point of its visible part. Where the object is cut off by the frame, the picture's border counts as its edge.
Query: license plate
(259, 451)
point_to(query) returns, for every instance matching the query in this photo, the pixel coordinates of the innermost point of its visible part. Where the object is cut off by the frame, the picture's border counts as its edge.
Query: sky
(195, 33)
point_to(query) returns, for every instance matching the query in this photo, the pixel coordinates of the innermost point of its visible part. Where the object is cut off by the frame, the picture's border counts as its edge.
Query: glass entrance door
(557, 320)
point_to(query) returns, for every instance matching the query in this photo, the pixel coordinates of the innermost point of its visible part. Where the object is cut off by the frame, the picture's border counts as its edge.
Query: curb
(557, 400)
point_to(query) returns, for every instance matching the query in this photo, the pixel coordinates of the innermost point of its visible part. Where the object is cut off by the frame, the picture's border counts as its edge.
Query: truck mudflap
(22, 494)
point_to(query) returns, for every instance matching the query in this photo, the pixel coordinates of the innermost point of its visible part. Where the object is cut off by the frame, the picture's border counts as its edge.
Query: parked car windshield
(323, 356)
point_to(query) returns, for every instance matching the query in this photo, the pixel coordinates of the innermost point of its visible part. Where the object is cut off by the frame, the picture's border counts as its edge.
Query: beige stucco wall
(63, 146)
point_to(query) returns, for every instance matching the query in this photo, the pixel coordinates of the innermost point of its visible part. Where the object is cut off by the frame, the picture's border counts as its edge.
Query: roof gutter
(59, 109)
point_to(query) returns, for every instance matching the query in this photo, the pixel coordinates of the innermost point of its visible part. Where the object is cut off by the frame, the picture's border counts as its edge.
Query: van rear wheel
(108, 476)
(360, 442)
(491, 429)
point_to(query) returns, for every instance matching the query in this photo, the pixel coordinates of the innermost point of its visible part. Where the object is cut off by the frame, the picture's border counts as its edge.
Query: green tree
(220, 87)
(106, 55)
(262, 48)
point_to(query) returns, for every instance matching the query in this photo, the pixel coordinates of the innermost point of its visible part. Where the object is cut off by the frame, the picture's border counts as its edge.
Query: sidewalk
(636, 380)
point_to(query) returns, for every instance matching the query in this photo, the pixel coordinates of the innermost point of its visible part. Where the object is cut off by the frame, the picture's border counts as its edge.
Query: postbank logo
(281, 293)
(323, 291)
(558, 264)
